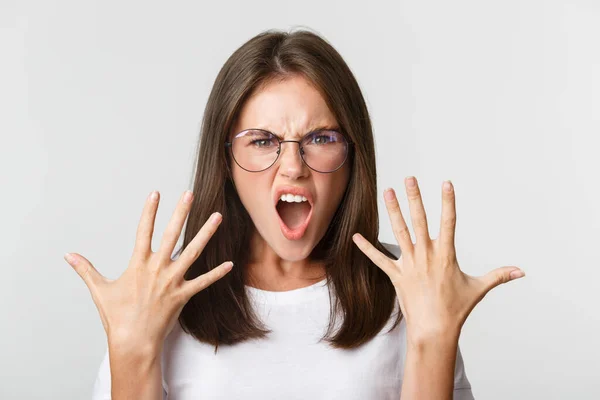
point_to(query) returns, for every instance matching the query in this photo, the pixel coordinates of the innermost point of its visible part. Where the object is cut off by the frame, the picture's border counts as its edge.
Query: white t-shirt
(291, 363)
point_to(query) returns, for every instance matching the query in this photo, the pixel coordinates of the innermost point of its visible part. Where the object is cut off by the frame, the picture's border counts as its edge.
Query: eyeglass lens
(257, 150)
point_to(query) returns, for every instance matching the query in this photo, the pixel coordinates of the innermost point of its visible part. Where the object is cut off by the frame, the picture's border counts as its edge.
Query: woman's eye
(262, 142)
(321, 139)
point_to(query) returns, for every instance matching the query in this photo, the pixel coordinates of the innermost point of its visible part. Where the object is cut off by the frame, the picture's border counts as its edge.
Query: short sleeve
(101, 389)
(462, 386)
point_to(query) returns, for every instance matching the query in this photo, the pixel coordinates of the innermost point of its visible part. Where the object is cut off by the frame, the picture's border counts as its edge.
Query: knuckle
(414, 192)
(389, 264)
(402, 231)
(154, 267)
(420, 222)
(204, 233)
(171, 230)
(450, 221)
(393, 206)
(86, 273)
(414, 196)
(172, 280)
(193, 253)
(180, 296)
(211, 229)
(216, 274)
(501, 278)
(201, 282)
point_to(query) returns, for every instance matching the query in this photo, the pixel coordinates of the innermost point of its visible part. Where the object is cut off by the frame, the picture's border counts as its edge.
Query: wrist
(136, 348)
(438, 340)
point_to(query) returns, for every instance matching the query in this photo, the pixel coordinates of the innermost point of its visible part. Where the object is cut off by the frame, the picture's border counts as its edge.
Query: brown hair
(222, 313)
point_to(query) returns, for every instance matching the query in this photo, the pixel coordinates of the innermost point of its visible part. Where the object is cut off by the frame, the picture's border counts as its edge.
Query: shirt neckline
(289, 296)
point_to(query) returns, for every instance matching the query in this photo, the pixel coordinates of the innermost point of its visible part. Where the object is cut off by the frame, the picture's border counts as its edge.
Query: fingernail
(447, 186)
(357, 237)
(215, 217)
(517, 273)
(228, 266)
(388, 194)
(411, 182)
(69, 258)
(187, 197)
(153, 195)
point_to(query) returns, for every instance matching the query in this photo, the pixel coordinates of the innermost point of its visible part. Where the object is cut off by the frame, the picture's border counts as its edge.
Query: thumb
(84, 269)
(501, 275)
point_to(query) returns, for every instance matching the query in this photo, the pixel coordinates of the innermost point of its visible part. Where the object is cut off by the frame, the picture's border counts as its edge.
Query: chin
(293, 250)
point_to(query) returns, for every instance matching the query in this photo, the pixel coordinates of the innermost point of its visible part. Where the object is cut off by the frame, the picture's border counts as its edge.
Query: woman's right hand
(141, 307)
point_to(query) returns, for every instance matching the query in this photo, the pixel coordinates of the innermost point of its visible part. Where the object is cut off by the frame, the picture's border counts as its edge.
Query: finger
(499, 276)
(448, 223)
(143, 236)
(378, 258)
(190, 288)
(197, 244)
(173, 230)
(84, 269)
(401, 232)
(417, 211)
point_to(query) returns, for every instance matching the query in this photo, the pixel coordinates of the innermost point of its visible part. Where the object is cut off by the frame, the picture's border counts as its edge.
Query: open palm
(434, 294)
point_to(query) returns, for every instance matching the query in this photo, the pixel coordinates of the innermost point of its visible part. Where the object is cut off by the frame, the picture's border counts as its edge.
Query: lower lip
(297, 233)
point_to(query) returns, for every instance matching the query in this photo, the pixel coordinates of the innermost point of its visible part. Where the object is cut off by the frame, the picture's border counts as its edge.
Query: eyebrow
(326, 127)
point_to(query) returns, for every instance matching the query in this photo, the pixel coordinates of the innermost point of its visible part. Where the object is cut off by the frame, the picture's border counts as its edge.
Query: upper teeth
(290, 198)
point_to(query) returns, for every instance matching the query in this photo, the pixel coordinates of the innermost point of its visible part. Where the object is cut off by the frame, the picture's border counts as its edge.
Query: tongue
(293, 214)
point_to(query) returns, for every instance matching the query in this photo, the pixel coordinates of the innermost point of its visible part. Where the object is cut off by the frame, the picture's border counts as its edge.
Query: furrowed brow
(326, 127)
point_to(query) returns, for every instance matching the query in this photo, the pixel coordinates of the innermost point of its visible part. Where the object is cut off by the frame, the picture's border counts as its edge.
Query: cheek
(332, 188)
(252, 188)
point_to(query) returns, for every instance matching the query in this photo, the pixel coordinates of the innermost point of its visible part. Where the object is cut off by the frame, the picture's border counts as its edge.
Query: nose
(290, 161)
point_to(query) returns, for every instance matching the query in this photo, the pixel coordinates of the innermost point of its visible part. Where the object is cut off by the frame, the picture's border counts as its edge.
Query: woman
(287, 158)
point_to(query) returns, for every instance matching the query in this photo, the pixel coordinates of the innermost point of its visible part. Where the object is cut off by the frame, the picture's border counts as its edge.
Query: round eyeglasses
(256, 150)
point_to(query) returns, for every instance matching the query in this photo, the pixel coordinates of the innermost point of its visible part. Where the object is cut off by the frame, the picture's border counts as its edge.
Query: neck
(266, 270)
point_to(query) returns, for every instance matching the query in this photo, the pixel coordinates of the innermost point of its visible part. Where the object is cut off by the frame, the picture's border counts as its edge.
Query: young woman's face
(290, 109)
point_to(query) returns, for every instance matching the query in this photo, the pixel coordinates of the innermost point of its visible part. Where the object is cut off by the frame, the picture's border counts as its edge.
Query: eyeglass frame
(350, 144)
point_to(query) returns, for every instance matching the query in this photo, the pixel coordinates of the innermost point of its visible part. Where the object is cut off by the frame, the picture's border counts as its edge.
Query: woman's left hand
(435, 296)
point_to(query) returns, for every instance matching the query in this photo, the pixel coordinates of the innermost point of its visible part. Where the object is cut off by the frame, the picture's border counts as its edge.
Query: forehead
(289, 108)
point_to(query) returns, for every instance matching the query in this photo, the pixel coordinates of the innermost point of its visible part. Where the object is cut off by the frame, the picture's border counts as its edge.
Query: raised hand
(143, 304)
(435, 296)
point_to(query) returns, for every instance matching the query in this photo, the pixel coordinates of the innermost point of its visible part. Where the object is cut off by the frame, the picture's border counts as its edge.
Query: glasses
(256, 150)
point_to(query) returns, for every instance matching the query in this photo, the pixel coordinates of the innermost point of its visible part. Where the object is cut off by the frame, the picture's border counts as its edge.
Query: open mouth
(293, 218)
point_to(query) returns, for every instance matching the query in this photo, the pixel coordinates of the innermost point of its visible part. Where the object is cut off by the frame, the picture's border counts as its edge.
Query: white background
(101, 102)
